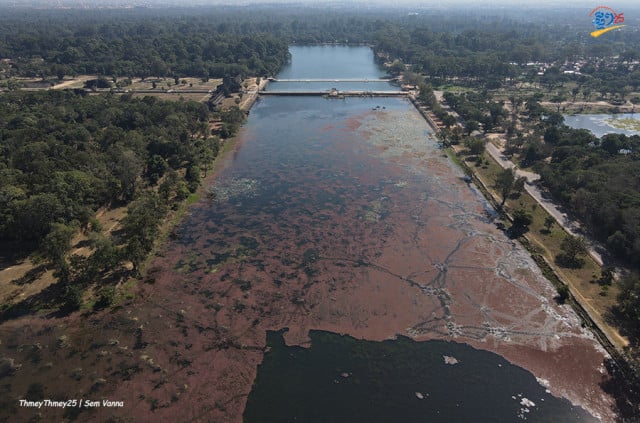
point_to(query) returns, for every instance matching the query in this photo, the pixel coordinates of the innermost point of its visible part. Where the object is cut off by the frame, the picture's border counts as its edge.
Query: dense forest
(599, 180)
(141, 47)
(214, 42)
(65, 154)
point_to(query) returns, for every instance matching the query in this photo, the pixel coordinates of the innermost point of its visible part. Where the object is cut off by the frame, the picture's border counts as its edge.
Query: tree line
(140, 46)
(214, 42)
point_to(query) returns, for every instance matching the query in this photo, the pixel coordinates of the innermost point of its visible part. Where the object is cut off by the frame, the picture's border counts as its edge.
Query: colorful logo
(605, 19)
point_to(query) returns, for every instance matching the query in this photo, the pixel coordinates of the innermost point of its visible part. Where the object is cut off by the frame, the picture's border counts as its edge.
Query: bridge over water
(333, 80)
(337, 94)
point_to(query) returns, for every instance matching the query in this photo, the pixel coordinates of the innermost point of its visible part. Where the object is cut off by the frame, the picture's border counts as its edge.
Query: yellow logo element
(596, 34)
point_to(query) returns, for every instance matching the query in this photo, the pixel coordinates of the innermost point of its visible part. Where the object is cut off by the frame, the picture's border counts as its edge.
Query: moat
(339, 269)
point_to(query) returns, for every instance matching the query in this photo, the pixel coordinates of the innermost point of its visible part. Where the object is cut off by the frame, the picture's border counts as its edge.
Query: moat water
(305, 185)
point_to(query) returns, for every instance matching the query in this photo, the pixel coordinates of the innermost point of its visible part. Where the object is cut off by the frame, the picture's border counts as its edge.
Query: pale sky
(388, 3)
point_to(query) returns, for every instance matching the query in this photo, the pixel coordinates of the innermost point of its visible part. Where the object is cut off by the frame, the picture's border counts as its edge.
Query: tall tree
(141, 226)
(505, 182)
(572, 248)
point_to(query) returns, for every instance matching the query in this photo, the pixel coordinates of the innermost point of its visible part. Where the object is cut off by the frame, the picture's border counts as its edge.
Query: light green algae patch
(628, 124)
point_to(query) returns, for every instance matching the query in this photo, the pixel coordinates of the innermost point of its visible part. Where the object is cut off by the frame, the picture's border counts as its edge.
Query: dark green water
(342, 379)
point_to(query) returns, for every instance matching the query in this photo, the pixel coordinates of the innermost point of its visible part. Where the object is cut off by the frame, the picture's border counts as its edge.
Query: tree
(563, 293)
(515, 101)
(554, 119)
(487, 123)
(156, 166)
(397, 68)
(475, 145)
(521, 221)
(140, 227)
(629, 299)
(192, 177)
(574, 93)
(552, 135)
(448, 120)
(558, 99)
(518, 185)
(33, 217)
(607, 274)
(126, 167)
(548, 223)
(496, 112)
(611, 143)
(471, 125)
(504, 184)
(572, 248)
(55, 245)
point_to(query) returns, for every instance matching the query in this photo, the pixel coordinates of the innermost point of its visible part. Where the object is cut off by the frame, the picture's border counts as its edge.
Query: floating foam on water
(450, 360)
(527, 402)
(543, 382)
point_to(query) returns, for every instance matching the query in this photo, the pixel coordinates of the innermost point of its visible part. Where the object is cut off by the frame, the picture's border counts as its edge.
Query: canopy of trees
(136, 45)
(599, 180)
(63, 155)
(214, 42)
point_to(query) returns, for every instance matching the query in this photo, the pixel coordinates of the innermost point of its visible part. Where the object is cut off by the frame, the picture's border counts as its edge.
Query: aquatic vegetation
(234, 188)
(628, 124)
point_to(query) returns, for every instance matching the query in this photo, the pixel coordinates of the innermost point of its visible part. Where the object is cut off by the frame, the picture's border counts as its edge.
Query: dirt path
(67, 84)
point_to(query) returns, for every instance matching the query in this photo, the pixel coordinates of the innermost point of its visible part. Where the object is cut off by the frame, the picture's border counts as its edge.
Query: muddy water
(340, 216)
(343, 215)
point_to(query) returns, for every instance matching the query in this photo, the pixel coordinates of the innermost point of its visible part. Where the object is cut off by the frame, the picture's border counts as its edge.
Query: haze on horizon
(536, 4)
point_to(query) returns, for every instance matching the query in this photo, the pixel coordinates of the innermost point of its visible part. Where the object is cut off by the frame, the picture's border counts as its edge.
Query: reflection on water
(331, 64)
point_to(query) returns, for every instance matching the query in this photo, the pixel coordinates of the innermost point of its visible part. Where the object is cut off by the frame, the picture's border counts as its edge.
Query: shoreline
(616, 354)
(187, 327)
(590, 107)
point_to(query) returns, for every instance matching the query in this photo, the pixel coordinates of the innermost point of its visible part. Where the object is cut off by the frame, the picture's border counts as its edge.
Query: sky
(467, 5)
(418, 3)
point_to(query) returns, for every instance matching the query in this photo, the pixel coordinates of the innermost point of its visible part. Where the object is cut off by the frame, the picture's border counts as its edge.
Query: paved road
(563, 220)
